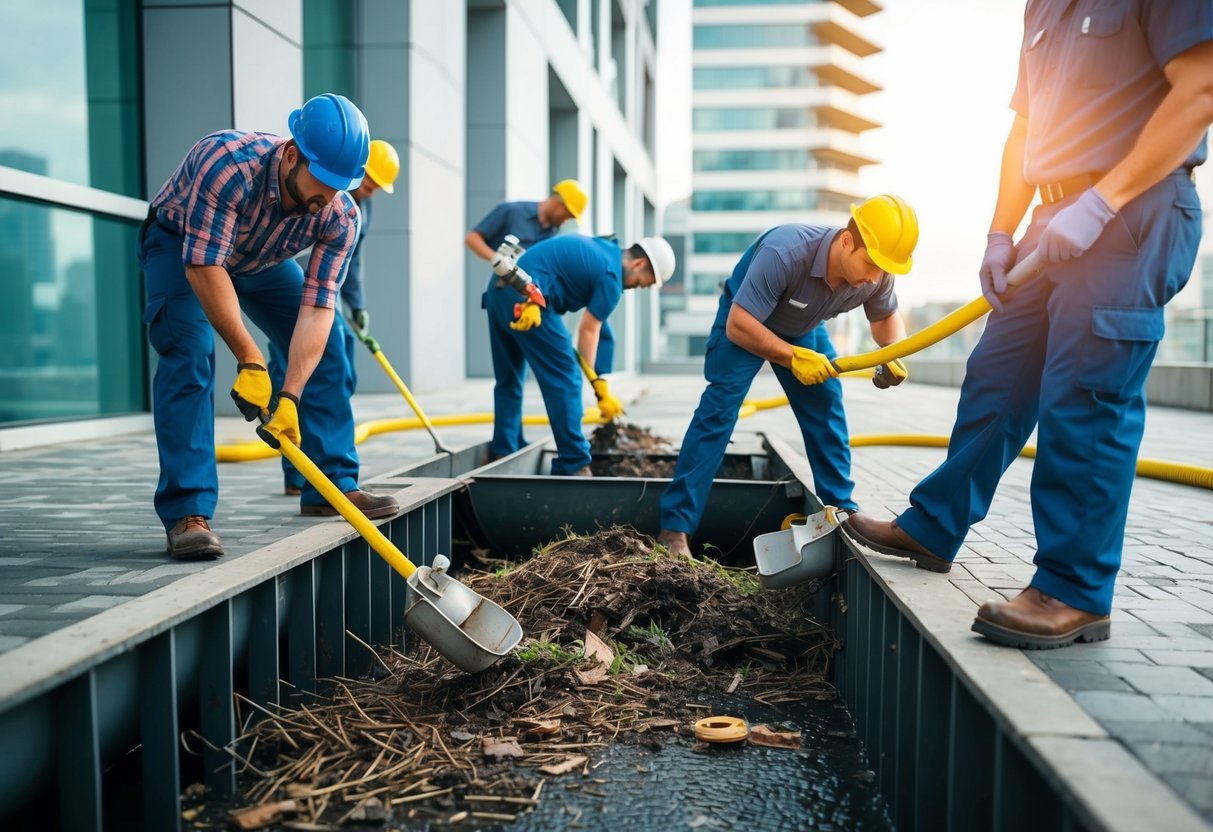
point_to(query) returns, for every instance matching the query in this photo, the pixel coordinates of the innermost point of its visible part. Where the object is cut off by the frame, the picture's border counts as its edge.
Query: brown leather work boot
(677, 542)
(192, 539)
(1035, 621)
(373, 506)
(887, 537)
(291, 490)
(583, 471)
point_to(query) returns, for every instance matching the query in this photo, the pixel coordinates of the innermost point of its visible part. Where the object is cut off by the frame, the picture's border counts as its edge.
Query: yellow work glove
(252, 390)
(285, 422)
(527, 316)
(609, 406)
(811, 367)
(890, 375)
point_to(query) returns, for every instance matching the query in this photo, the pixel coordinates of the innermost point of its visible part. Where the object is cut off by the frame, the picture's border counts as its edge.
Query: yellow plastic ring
(721, 729)
(790, 519)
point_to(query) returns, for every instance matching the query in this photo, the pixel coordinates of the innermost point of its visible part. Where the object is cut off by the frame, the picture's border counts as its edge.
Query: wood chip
(538, 727)
(763, 735)
(733, 684)
(556, 769)
(260, 816)
(500, 747)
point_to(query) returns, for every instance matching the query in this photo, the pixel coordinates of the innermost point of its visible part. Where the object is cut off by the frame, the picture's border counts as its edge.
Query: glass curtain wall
(71, 343)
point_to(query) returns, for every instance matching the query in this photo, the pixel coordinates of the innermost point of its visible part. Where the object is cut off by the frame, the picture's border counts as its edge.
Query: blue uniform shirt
(785, 285)
(1113, 55)
(518, 218)
(351, 289)
(577, 272)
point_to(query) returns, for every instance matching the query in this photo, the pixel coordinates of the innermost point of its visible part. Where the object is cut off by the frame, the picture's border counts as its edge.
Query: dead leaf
(596, 648)
(555, 769)
(539, 727)
(763, 735)
(260, 816)
(592, 676)
(502, 747)
(462, 736)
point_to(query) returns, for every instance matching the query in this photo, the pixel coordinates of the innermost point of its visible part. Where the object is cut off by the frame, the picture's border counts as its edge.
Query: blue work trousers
(729, 371)
(1068, 356)
(183, 387)
(549, 350)
(291, 478)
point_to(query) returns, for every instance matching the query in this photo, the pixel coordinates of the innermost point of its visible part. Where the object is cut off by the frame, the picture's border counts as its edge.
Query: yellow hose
(250, 451)
(1155, 469)
(936, 332)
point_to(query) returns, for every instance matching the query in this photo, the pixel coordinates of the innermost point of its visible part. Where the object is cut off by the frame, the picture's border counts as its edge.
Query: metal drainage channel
(75, 702)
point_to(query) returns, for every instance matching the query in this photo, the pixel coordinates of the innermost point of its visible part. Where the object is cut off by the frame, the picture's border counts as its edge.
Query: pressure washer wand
(509, 273)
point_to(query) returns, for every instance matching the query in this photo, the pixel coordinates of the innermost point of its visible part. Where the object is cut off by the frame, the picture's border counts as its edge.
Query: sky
(948, 69)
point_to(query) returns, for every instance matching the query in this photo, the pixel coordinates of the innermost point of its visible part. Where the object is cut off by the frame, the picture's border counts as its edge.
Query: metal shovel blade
(797, 554)
(470, 631)
(467, 629)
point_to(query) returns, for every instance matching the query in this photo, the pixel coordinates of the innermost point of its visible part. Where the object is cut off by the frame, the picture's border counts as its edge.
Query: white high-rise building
(777, 125)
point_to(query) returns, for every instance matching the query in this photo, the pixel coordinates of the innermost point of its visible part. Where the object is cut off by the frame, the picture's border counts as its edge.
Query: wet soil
(682, 638)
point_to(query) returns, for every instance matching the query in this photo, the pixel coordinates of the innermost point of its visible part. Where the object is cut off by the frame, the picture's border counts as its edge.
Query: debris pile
(628, 450)
(622, 637)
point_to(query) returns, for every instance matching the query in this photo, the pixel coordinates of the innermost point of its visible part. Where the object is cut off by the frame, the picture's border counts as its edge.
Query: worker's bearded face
(318, 196)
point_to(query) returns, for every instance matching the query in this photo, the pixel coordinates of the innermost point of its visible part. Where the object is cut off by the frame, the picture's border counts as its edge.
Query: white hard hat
(661, 257)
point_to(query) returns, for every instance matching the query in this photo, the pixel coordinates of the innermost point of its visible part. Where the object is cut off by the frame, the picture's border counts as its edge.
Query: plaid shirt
(225, 202)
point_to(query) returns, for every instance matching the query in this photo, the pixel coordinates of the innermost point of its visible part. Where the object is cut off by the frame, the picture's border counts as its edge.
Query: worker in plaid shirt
(218, 240)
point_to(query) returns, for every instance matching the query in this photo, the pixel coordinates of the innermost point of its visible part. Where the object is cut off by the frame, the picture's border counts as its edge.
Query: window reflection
(69, 91)
(70, 338)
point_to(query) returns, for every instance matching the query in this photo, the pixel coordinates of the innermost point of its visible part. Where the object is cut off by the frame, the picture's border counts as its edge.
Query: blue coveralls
(780, 279)
(1071, 352)
(574, 272)
(522, 220)
(182, 390)
(352, 294)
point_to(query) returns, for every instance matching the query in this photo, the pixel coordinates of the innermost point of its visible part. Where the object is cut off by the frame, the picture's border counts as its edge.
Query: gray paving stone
(1196, 789)
(1177, 758)
(1188, 708)
(1125, 706)
(1152, 679)
(1080, 680)
(1179, 733)
(1184, 658)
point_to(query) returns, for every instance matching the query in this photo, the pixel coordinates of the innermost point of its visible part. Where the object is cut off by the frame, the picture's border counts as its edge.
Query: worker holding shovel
(569, 273)
(382, 168)
(787, 284)
(1112, 105)
(218, 240)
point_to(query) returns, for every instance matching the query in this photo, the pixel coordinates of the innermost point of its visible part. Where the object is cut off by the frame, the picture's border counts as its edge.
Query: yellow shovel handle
(590, 375)
(386, 549)
(404, 390)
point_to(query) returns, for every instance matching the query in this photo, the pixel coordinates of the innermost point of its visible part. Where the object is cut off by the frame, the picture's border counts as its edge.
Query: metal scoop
(467, 629)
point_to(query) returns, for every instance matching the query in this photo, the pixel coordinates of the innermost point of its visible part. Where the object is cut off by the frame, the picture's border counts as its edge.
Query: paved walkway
(78, 535)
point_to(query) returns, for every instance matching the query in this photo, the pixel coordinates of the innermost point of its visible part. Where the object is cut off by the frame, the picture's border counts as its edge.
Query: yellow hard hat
(383, 166)
(574, 196)
(889, 228)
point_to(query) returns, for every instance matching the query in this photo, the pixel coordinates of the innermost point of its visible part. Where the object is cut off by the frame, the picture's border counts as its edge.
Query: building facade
(485, 100)
(776, 137)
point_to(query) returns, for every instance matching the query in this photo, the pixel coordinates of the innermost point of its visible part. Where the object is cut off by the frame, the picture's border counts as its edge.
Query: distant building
(776, 123)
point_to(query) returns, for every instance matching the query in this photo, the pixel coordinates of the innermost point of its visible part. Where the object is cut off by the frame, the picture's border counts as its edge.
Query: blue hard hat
(332, 135)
